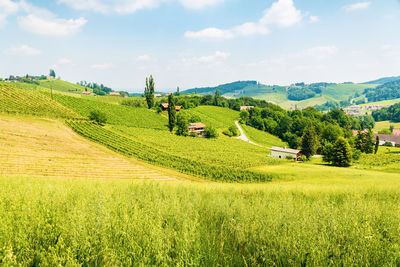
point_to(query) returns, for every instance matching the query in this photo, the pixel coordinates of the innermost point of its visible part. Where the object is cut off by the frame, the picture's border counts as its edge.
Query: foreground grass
(98, 222)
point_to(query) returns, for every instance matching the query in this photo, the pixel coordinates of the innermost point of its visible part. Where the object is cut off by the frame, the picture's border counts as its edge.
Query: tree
(369, 142)
(377, 144)
(244, 116)
(309, 142)
(327, 152)
(98, 117)
(217, 101)
(391, 128)
(171, 112)
(149, 92)
(211, 132)
(342, 154)
(331, 133)
(178, 93)
(52, 73)
(182, 125)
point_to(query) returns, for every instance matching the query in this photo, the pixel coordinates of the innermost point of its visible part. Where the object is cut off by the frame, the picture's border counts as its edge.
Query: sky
(195, 43)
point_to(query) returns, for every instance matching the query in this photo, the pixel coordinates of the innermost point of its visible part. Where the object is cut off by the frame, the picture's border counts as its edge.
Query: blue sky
(191, 43)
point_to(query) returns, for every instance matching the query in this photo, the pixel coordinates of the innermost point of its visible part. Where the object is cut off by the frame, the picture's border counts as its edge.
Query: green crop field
(261, 137)
(63, 86)
(116, 114)
(25, 101)
(215, 116)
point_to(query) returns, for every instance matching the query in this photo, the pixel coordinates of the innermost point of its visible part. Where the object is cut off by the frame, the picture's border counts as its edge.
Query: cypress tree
(216, 98)
(149, 92)
(171, 112)
(376, 144)
(309, 142)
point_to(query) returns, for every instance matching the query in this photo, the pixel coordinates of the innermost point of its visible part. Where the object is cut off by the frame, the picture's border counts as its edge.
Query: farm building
(86, 93)
(246, 108)
(164, 107)
(283, 153)
(197, 128)
(115, 94)
(157, 95)
(386, 138)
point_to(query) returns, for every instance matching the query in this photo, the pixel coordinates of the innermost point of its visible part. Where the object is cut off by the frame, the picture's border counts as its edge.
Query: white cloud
(131, 6)
(143, 58)
(64, 61)
(7, 8)
(210, 33)
(50, 25)
(357, 6)
(104, 66)
(314, 19)
(23, 50)
(215, 58)
(198, 4)
(282, 13)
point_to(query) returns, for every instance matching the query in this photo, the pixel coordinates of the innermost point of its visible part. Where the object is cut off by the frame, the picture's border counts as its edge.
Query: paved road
(243, 136)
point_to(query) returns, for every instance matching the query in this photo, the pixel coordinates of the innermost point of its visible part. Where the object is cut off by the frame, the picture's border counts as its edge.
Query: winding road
(243, 135)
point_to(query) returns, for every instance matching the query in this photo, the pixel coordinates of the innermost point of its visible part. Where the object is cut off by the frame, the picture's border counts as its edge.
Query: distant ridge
(384, 80)
(223, 89)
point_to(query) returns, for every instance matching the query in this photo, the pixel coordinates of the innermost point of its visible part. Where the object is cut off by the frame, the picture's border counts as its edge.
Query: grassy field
(27, 101)
(262, 138)
(97, 222)
(47, 148)
(63, 86)
(380, 125)
(384, 102)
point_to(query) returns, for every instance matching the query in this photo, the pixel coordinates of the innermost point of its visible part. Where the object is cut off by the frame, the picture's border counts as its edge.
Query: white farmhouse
(283, 153)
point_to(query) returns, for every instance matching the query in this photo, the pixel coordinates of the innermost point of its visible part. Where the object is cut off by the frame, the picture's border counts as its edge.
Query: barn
(283, 153)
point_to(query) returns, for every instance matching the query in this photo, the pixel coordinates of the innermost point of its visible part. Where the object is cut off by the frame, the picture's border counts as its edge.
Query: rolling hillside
(63, 86)
(384, 80)
(279, 94)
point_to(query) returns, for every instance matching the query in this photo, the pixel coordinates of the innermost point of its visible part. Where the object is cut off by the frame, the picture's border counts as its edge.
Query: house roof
(286, 150)
(164, 105)
(197, 125)
(389, 138)
(115, 93)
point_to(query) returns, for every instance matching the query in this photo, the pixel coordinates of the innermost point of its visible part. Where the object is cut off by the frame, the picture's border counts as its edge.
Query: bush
(134, 102)
(234, 130)
(342, 154)
(386, 131)
(211, 132)
(356, 154)
(303, 158)
(388, 144)
(98, 116)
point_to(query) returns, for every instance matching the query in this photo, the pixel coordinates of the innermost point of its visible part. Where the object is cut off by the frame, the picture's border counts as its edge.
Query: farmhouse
(164, 107)
(246, 108)
(283, 153)
(197, 128)
(386, 138)
(115, 94)
(157, 95)
(86, 93)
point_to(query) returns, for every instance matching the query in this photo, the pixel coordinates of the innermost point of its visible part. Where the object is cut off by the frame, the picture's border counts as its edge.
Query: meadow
(113, 222)
(380, 125)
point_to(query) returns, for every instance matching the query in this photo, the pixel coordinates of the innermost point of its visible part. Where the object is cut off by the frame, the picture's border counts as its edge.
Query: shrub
(134, 102)
(234, 130)
(356, 154)
(303, 158)
(227, 133)
(98, 116)
(211, 132)
(388, 144)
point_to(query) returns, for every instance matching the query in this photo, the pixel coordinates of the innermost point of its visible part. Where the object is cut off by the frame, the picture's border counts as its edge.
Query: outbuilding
(197, 128)
(283, 153)
(386, 138)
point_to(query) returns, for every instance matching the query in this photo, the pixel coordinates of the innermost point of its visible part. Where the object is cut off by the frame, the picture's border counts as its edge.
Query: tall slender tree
(217, 98)
(171, 112)
(149, 91)
(377, 144)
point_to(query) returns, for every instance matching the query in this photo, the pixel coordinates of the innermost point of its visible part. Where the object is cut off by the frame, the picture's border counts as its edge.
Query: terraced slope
(45, 148)
(24, 101)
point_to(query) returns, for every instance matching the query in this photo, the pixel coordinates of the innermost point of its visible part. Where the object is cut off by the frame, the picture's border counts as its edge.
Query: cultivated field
(42, 148)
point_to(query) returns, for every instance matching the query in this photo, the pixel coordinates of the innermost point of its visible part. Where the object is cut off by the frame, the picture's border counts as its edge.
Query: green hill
(63, 86)
(384, 80)
(31, 102)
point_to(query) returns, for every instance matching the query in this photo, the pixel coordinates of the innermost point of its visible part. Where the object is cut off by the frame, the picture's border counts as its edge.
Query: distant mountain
(384, 80)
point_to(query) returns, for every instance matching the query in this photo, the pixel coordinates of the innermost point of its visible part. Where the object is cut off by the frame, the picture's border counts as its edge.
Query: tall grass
(91, 222)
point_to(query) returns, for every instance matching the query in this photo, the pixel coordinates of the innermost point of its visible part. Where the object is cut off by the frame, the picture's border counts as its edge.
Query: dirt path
(243, 135)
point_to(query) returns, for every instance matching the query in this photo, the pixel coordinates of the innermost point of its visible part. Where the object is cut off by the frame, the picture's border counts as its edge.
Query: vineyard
(130, 147)
(217, 117)
(24, 101)
(63, 86)
(116, 114)
(262, 138)
(223, 151)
